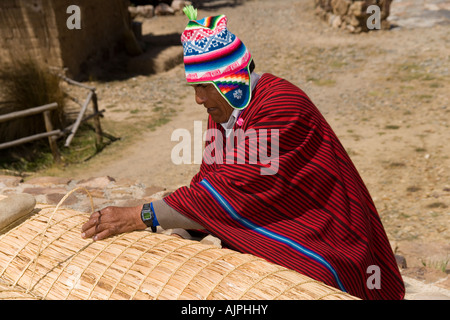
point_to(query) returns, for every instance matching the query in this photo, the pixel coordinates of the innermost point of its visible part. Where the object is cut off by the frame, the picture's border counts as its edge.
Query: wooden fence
(92, 96)
(52, 134)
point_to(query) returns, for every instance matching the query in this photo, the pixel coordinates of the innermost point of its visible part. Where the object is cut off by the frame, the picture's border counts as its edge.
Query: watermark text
(253, 146)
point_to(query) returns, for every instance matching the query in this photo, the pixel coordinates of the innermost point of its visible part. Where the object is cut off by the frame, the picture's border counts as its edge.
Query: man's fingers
(112, 220)
(92, 226)
(102, 235)
(99, 226)
(97, 232)
(88, 225)
(89, 233)
(93, 220)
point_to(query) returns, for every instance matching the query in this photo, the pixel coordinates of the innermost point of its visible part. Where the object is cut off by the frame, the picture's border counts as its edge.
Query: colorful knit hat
(214, 55)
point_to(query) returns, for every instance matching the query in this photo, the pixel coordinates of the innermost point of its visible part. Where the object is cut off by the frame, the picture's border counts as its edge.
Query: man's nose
(200, 99)
(200, 96)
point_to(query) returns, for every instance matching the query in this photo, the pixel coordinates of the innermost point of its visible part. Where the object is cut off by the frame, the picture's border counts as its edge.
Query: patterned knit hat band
(212, 54)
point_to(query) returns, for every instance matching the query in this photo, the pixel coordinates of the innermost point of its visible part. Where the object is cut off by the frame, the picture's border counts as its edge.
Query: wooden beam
(79, 118)
(29, 139)
(100, 114)
(77, 83)
(28, 112)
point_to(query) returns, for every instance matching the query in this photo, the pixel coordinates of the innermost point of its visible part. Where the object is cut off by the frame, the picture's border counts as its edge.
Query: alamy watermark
(74, 277)
(374, 21)
(74, 20)
(253, 146)
(374, 280)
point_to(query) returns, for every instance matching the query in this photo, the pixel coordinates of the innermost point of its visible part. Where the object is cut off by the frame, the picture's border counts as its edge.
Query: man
(310, 212)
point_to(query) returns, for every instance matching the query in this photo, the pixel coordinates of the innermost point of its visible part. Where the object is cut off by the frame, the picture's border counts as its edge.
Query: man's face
(216, 105)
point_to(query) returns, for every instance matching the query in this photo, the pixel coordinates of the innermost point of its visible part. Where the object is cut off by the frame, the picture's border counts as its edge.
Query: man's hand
(111, 221)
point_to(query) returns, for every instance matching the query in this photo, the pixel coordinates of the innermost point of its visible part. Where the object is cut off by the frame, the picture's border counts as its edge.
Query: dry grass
(27, 84)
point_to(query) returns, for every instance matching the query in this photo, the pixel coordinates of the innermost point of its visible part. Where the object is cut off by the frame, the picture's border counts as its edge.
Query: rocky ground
(385, 93)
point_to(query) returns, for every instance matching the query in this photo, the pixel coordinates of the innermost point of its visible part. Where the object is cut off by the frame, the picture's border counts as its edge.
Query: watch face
(147, 215)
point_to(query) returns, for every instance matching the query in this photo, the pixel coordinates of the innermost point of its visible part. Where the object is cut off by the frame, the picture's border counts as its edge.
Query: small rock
(10, 181)
(159, 195)
(354, 21)
(180, 233)
(55, 198)
(350, 28)
(212, 241)
(133, 12)
(336, 23)
(340, 7)
(149, 191)
(356, 9)
(401, 261)
(99, 182)
(43, 190)
(178, 5)
(48, 181)
(146, 11)
(330, 18)
(163, 9)
(96, 193)
(15, 207)
(131, 202)
(120, 193)
(84, 204)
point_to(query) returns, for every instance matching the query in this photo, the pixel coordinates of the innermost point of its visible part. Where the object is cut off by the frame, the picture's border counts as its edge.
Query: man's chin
(216, 120)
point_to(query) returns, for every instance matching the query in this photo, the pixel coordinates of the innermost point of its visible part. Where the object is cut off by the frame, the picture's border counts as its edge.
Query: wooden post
(51, 139)
(97, 126)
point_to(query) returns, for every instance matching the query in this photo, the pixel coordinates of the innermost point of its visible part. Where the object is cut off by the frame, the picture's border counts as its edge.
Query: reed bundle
(45, 258)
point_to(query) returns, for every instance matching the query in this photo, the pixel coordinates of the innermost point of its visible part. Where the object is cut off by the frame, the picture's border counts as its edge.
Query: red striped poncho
(312, 213)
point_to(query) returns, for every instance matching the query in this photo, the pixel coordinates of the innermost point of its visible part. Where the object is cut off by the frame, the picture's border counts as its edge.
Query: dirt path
(149, 159)
(385, 94)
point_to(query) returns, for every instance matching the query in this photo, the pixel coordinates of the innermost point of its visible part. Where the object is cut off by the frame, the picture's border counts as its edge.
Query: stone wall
(39, 28)
(351, 15)
(28, 28)
(105, 191)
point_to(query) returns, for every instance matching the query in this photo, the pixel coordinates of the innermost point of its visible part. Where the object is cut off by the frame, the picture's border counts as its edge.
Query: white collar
(228, 126)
